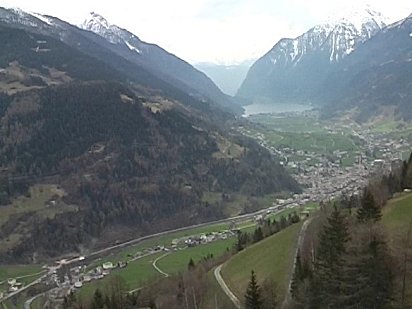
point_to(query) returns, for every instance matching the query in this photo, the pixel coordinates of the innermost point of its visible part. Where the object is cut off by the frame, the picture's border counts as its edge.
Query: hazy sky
(226, 31)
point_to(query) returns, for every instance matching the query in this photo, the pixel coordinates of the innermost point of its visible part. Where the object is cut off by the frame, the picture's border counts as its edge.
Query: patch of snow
(295, 52)
(410, 34)
(94, 22)
(18, 11)
(283, 44)
(41, 17)
(131, 47)
(358, 15)
(17, 14)
(349, 50)
(332, 55)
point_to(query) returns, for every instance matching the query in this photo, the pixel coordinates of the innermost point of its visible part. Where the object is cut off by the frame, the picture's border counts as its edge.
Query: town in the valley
(323, 178)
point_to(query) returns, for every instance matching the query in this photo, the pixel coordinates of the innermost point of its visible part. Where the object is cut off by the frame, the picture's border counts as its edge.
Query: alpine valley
(129, 139)
(356, 65)
(129, 179)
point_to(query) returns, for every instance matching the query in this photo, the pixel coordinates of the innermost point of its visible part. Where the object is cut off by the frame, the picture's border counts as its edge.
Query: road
(301, 238)
(140, 239)
(225, 288)
(157, 268)
(287, 299)
(25, 276)
(27, 303)
(24, 288)
(136, 241)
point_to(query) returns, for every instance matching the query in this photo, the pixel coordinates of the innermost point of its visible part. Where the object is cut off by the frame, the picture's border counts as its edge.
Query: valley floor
(327, 158)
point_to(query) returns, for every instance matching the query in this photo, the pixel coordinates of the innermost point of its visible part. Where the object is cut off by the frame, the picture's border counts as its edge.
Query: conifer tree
(242, 241)
(253, 297)
(326, 284)
(369, 210)
(258, 235)
(300, 281)
(375, 275)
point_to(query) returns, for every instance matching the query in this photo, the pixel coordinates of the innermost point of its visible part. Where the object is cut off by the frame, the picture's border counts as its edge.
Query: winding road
(288, 296)
(225, 288)
(136, 241)
(27, 303)
(157, 268)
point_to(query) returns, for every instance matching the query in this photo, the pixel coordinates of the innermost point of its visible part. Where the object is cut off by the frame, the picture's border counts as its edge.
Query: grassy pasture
(272, 258)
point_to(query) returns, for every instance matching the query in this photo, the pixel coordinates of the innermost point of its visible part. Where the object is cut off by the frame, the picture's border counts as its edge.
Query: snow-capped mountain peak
(115, 35)
(16, 15)
(338, 37)
(357, 16)
(95, 22)
(304, 60)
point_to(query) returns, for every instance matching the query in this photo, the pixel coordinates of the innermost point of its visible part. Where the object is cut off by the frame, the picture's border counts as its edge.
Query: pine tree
(326, 284)
(369, 210)
(258, 235)
(293, 218)
(242, 240)
(275, 226)
(368, 275)
(253, 298)
(375, 274)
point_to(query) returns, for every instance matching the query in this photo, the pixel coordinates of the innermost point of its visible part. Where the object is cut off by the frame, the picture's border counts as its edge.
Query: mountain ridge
(301, 62)
(196, 84)
(154, 58)
(130, 159)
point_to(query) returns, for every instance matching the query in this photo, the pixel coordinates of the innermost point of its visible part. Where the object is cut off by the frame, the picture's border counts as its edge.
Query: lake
(265, 108)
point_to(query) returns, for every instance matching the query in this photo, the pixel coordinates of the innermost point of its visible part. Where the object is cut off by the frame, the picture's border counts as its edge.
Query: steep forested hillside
(127, 159)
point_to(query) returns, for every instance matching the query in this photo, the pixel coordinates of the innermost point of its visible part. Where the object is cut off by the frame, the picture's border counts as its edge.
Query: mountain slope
(227, 77)
(153, 58)
(374, 78)
(129, 159)
(120, 57)
(293, 69)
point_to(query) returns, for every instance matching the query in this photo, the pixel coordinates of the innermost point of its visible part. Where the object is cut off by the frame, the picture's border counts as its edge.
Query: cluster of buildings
(325, 175)
(203, 239)
(12, 286)
(66, 281)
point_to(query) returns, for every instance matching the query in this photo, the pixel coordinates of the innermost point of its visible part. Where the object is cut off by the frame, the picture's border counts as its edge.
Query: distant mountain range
(227, 77)
(155, 59)
(137, 139)
(115, 46)
(323, 65)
